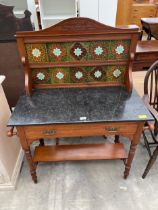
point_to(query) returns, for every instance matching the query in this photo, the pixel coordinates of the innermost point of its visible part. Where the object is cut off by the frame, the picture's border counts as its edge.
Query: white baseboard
(12, 184)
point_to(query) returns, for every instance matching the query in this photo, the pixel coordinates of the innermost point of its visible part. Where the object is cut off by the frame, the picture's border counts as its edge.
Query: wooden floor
(138, 81)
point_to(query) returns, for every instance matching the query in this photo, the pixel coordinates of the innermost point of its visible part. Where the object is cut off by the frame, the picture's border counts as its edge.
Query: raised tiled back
(91, 55)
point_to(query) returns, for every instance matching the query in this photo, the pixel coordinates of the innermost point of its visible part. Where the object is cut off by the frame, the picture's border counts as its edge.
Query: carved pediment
(83, 25)
(77, 26)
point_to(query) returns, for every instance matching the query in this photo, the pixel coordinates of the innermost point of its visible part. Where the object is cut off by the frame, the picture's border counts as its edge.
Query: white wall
(11, 154)
(107, 11)
(103, 11)
(88, 8)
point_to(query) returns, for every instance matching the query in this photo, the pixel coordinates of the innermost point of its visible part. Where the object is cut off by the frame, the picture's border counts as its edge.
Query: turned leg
(117, 139)
(26, 147)
(129, 160)
(135, 139)
(41, 142)
(32, 165)
(151, 162)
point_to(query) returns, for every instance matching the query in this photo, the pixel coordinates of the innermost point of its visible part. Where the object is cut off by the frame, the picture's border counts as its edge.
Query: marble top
(79, 105)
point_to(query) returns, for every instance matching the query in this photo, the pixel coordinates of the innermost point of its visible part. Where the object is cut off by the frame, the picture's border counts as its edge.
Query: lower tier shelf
(79, 152)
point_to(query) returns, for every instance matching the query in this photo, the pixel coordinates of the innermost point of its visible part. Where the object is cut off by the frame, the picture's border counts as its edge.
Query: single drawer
(142, 66)
(144, 11)
(146, 56)
(74, 130)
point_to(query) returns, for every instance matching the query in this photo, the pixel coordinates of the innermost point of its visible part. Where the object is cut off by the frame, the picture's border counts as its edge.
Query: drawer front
(144, 11)
(141, 66)
(71, 130)
(146, 56)
(139, 12)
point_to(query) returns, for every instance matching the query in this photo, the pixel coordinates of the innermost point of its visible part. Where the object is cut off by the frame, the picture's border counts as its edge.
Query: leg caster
(34, 177)
(126, 173)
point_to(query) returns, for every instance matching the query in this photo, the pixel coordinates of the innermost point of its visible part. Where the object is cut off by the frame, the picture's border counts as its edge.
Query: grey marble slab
(79, 105)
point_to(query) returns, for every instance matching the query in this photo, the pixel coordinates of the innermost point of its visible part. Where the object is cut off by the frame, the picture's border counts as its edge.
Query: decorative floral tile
(78, 74)
(60, 75)
(97, 73)
(98, 50)
(116, 73)
(57, 52)
(78, 51)
(36, 53)
(40, 76)
(86, 51)
(119, 49)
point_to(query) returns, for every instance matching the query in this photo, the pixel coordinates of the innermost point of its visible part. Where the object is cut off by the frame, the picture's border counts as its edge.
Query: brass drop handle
(11, 132)
(49, 132)
(111, 129)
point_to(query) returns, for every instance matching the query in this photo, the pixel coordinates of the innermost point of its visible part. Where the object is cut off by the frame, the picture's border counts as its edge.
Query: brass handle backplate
(49, 132)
